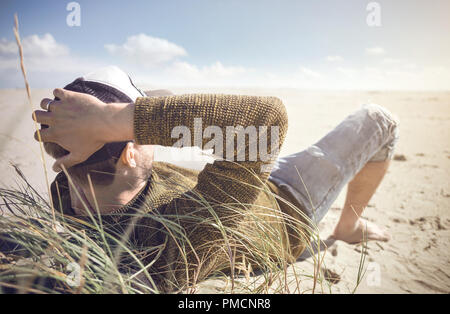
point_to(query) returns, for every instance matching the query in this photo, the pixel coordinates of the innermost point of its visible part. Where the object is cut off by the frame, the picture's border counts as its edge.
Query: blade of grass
(27, 87)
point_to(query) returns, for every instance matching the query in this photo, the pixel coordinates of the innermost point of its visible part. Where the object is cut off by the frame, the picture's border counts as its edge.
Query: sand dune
(412, 202)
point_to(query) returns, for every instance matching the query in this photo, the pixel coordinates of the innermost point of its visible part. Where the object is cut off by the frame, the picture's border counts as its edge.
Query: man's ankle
(347, 226)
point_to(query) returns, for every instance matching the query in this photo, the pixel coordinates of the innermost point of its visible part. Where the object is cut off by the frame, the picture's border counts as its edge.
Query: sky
(321, 44)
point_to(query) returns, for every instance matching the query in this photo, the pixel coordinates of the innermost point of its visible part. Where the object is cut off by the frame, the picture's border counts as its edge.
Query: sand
(412, 202)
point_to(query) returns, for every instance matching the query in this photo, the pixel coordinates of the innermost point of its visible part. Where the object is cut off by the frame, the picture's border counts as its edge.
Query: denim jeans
(315, 177)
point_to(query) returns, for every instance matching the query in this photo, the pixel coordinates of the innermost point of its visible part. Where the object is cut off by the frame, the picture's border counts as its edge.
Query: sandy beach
(412, 202)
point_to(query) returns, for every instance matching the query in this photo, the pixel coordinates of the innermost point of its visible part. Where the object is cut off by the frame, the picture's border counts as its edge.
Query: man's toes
(386, 236)
(378, 235)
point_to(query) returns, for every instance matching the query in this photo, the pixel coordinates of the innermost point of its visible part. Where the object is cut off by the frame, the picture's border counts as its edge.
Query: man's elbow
(277, 119)
(278, 114)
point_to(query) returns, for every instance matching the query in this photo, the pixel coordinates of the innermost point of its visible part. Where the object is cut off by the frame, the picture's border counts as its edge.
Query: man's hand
(82, 124)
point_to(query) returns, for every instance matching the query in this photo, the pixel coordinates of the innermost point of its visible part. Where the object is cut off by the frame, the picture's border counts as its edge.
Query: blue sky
(322, 44)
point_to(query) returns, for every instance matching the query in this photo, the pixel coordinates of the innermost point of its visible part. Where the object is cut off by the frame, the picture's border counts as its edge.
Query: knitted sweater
(215, 219)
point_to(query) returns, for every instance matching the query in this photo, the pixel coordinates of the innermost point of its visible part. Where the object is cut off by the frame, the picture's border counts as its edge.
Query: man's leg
(357, 152)
(351, 228)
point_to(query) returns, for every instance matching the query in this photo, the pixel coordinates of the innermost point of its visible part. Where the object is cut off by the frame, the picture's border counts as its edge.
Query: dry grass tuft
(27, 87)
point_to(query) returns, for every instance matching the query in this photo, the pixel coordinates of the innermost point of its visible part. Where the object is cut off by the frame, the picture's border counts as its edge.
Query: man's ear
(128, 155)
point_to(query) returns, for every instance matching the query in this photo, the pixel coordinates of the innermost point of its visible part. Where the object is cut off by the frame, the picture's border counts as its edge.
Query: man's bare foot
(363, 231)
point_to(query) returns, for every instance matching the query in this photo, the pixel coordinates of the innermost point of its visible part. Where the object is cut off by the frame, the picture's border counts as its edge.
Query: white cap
(115, 77)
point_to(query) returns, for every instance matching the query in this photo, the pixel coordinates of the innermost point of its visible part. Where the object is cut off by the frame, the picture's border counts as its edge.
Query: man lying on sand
(101, 125)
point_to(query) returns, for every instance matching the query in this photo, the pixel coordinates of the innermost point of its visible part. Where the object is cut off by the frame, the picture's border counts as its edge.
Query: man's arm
(156, 119)
(82, 124)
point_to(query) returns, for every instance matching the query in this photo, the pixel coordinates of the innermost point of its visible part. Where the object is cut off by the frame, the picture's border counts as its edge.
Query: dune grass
(46, 253)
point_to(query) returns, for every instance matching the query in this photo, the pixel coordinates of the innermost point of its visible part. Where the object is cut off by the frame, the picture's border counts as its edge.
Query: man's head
(116, 166)
(102, 164)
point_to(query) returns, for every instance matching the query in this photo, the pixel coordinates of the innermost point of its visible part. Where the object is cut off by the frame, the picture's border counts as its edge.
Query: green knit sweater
(194, 223)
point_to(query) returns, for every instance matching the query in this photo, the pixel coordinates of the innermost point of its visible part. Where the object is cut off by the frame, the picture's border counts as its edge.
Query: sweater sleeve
(234, 179)
(242, 130)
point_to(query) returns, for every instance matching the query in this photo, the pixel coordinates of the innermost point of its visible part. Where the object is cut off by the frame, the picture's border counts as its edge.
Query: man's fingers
(60, 93)
(42, 117)
(46, 135)
(45, 103)
(49, 104)
(67, 161)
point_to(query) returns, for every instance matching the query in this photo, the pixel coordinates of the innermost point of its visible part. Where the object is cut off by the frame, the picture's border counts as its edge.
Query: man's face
(130, 175)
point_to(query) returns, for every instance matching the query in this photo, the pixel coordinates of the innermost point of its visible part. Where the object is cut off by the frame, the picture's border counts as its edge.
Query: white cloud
(347, 72)
(393, 76)
(156, 63)
(41, 53)
(391, 61)
(43, 56)
(334, 58)
(375, 51)
(410, 66)
(45, 46)
(381, 77)
(219, 69)
(182, 73)
(399, 63)
(216, 70)
(146, 50)
(7, 48)
(34, 46)
(158, 60)
(309, 73)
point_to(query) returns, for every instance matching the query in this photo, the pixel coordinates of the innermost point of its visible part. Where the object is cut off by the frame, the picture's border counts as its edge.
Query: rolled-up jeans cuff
(386, 153)
(391, 122)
